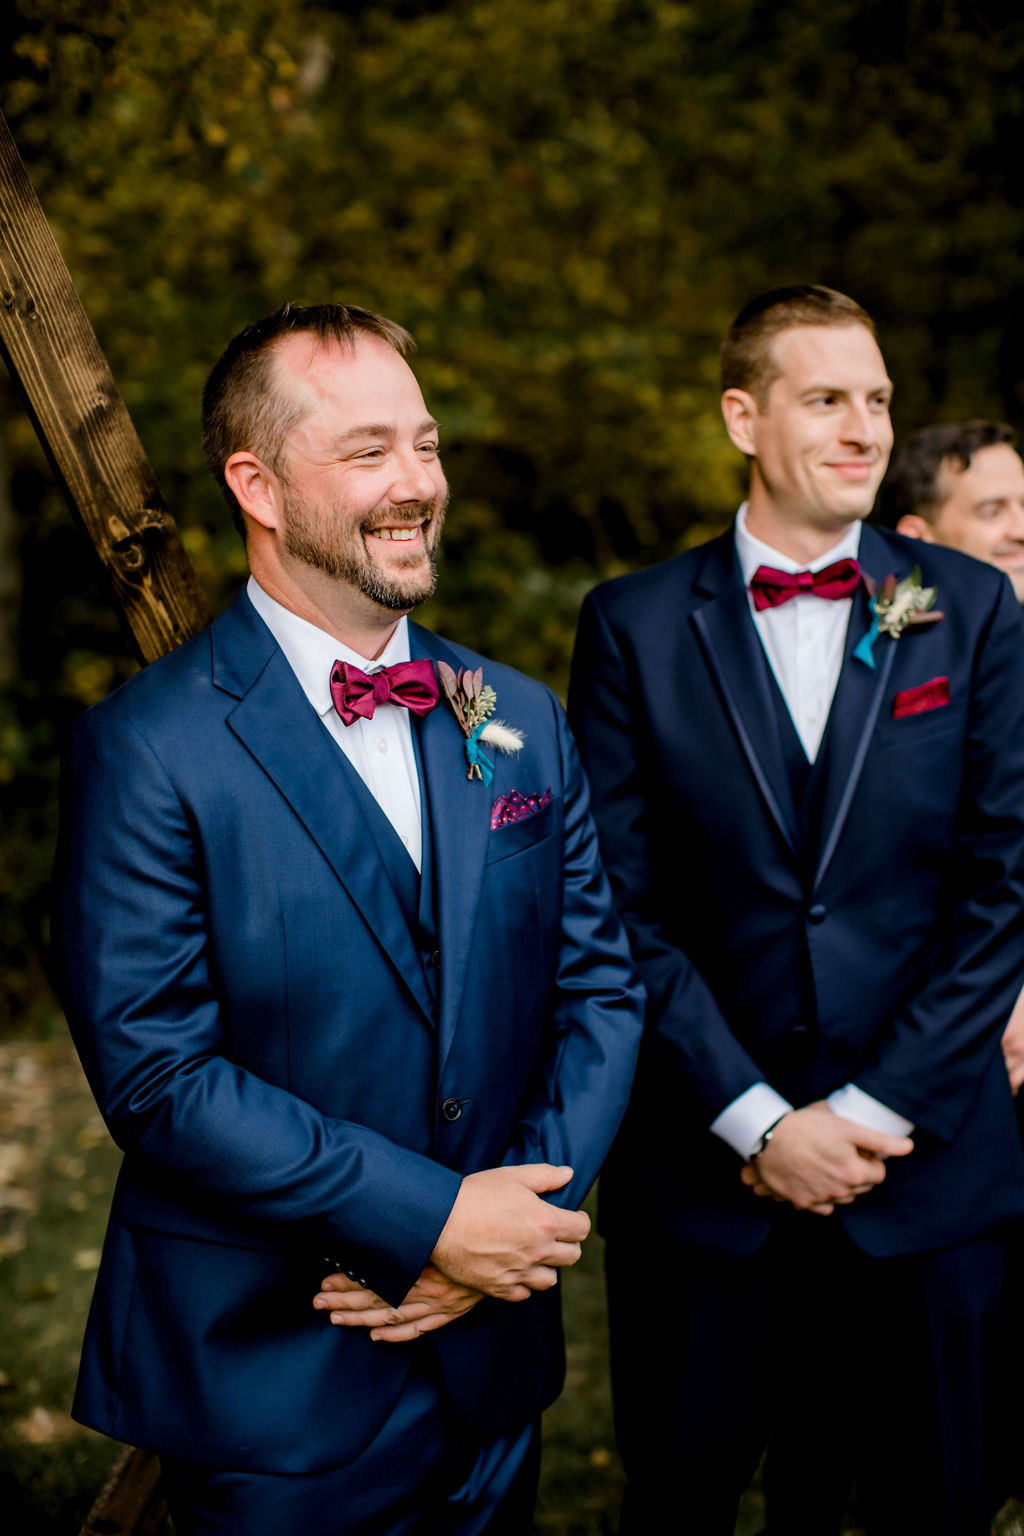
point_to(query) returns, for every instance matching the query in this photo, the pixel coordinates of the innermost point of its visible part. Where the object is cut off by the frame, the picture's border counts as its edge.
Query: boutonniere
(474, 702)
(896, 606)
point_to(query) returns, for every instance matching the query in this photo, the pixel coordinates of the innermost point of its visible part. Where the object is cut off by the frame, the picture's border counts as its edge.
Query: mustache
(407, 517)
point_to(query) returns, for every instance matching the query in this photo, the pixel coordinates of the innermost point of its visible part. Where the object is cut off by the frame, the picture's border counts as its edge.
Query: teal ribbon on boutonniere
(480, 764)
(473, 703)
(896, 606)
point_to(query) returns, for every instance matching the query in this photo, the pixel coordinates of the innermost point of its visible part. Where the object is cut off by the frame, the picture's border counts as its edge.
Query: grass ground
(56, 1171)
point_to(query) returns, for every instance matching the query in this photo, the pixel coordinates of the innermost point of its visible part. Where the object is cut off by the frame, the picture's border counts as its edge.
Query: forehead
(341, 384)
(833, 355)
(994, 473)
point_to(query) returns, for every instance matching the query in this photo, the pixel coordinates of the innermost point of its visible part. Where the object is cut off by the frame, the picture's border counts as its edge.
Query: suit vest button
(451, 1109)
(817, 913)
(435, 959)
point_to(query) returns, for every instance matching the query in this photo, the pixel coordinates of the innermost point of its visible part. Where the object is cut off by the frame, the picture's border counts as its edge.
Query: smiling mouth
(396, 535)
(856, 469)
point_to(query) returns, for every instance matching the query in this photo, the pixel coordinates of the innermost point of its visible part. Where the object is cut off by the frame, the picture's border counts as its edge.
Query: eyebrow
(385, 429)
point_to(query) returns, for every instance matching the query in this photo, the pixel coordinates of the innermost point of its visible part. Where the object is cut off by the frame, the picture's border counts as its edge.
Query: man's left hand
(433, 1302)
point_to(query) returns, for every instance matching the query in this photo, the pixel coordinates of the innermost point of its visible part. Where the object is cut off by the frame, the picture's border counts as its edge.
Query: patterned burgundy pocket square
(916, 701)
(516, 807)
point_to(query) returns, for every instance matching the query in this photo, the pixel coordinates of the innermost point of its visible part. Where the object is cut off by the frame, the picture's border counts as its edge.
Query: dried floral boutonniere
(473, 702)
(896, 606)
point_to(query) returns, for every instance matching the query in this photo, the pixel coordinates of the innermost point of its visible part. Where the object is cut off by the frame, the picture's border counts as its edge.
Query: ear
(255, 487)
(914, 527)
(740, 411)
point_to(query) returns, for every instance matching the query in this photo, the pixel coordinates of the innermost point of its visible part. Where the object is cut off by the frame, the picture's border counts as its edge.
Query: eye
(429, 450)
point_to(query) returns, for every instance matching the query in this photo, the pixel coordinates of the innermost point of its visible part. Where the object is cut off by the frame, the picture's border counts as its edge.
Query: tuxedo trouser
(1010, 1400)
(425, 1474)
(845, 1366)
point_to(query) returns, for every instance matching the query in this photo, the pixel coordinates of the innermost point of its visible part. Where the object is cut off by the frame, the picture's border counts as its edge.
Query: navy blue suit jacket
(256, 1019)
(885, 950)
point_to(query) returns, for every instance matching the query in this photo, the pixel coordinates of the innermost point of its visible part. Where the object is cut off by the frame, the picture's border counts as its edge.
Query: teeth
(402, 534)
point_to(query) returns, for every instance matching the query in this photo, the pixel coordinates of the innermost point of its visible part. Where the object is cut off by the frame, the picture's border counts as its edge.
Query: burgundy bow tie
(772, 588)
(356, 694)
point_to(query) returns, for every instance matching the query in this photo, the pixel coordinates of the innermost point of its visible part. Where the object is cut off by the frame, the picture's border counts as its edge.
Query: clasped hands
(501, 1239)
(816, 1160)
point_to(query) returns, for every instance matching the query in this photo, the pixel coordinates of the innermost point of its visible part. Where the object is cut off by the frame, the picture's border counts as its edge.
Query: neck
(342, 612)
(797, 540)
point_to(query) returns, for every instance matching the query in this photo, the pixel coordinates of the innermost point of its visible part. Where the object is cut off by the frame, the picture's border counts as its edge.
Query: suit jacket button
(451, 1109)
(817, 913)
(435, 959)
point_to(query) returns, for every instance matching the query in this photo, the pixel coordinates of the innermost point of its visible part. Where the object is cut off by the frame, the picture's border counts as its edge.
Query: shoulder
(647, 594)
(955, 575)
(508, 683)
(962, 583)
(180, 675)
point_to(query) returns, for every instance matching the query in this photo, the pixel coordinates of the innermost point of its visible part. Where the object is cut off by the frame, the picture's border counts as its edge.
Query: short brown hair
(748, 361)
(913, 483)
(241, 409)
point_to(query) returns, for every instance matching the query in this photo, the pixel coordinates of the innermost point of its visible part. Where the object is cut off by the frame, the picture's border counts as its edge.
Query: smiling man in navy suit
(349, 986)
(806, 759)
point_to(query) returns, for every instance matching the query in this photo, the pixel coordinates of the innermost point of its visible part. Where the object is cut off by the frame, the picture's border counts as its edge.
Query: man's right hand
(816, 1160)
(503, 1239)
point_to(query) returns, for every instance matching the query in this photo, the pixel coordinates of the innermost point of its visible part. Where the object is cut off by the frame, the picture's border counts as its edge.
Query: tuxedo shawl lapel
(736, 659)
(855, 706)
(460, 815)
(275, 722)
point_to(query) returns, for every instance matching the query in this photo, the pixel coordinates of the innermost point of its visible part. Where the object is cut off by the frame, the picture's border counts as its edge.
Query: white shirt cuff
(743, 1122)
(854, 1104)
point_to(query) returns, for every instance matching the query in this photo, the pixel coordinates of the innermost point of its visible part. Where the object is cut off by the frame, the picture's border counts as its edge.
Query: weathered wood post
(82, 422)
(69, 392)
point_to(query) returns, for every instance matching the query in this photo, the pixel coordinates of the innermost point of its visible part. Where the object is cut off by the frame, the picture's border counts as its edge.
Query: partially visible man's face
(983, 513)
(363, 490)
(822, 442)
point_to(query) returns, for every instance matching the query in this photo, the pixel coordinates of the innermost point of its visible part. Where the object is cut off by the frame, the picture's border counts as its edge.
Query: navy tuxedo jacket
(258, 1021)
(877, 940)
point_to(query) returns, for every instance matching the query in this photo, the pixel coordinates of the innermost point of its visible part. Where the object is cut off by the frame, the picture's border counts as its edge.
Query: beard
(320, 539)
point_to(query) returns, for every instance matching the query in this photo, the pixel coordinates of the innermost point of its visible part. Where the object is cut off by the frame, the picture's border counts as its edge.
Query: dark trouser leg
(927, 1455)
(687, 1352)
(898, 1394)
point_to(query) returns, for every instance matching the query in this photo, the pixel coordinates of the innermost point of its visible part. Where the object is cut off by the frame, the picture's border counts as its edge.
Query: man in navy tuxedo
(805, 742)
(349, 986)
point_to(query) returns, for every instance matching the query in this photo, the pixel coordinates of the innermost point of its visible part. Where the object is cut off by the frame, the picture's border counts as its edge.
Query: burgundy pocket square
(915, 701)
(516, 807)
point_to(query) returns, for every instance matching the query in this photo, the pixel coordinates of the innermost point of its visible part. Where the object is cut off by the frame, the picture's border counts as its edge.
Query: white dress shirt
(381, 749)
(803, 641)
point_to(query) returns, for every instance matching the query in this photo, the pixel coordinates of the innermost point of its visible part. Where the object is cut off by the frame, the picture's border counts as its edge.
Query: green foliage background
(564, 200)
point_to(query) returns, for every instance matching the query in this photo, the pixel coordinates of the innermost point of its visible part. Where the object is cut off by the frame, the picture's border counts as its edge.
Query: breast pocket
(516, 836)
(913, 733)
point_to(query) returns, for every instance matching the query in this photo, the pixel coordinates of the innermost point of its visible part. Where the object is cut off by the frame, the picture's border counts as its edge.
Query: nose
(415, 479)
(863, 424)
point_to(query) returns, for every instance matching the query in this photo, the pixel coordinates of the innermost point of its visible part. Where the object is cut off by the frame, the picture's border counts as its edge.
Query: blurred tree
(565, 200)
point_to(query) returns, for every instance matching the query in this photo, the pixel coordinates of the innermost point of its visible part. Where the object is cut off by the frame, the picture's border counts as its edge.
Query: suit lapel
(275, 722)
(735, 656)
(855, 706)
(460, 820)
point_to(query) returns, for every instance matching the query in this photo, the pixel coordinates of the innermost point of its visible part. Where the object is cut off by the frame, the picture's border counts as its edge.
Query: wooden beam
(75, 406)
(130, 1502)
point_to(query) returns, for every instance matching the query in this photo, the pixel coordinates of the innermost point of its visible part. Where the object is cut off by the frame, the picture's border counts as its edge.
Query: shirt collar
(753, 553)
(311, 652)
